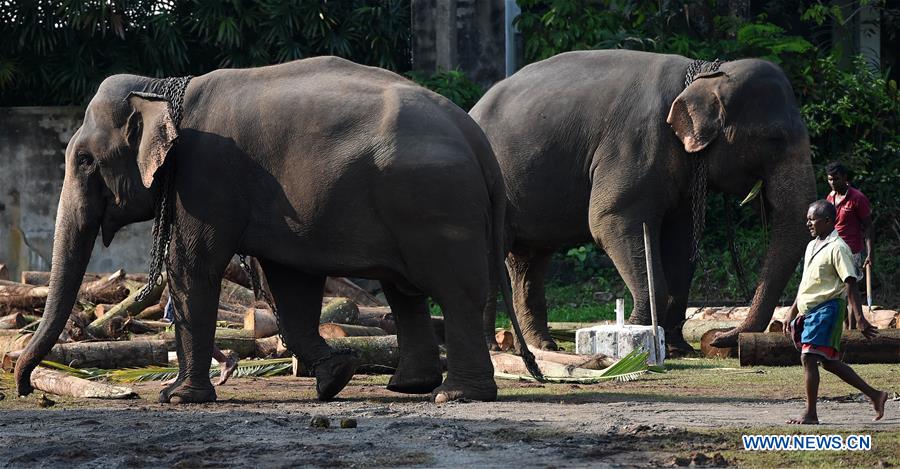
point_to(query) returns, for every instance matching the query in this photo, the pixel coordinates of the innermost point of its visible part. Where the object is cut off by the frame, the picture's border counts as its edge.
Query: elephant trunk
(789, 189)
(73, 242)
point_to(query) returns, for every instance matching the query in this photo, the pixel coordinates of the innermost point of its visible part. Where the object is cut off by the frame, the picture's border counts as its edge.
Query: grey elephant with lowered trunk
(592, 144)
(316, 167)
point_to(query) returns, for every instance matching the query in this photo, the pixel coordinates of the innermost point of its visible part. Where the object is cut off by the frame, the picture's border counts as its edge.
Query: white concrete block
(615, 341)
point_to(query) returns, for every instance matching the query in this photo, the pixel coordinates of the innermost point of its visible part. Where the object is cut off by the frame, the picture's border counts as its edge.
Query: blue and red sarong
(819, 330)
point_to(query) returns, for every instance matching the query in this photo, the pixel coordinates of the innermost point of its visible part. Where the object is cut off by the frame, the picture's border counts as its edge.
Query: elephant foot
(451, 391)
(416, 380)
(333, 374)
(540, 339)
(726, 339)
(185, 392)
(679, 350)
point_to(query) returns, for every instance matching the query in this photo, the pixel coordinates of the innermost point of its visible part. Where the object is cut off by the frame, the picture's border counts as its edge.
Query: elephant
(317, 167)
(592, 144)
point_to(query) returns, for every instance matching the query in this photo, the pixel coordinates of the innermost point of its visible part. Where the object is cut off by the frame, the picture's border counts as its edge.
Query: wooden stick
(651, 285)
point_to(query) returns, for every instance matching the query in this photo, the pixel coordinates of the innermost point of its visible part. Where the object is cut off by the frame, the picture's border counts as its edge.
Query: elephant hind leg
(419, 370)
(298, 297)
(527, 269)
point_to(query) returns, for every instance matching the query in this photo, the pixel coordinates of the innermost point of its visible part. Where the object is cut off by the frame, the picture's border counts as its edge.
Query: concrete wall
(468, 35)
(32, 164)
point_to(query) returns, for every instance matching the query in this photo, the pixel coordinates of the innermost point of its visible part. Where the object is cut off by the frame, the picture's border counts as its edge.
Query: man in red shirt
(854, 215)
(854, 220)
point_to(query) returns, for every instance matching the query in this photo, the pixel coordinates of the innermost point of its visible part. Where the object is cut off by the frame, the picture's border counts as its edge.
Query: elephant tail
(502, 278)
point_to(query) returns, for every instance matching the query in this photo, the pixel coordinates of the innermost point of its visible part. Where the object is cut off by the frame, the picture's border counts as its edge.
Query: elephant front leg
(298, 297)
(622, 237)
(527, 268)
(419, 370)
(195, 297)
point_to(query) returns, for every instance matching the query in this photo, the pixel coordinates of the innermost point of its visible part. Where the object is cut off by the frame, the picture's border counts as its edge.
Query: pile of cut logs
(772, 348)
(110, 328)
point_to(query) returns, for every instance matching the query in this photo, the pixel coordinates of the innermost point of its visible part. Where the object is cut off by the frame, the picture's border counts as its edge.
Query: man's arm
(870, 246)
(853, 305)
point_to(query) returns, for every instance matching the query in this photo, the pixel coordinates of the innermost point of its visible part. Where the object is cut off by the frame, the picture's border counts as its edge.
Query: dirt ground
(266, 423)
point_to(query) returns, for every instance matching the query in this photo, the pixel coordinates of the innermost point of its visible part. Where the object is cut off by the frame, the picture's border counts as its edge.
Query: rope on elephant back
(701, 166)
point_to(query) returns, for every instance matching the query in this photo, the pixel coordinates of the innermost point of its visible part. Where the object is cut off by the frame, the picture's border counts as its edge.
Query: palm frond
(258, 368)
(628, 368)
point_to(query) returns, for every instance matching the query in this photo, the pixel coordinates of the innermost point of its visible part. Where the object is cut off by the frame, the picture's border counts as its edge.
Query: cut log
(4, 272)
(61, 384)
(716, 352)
(761, 349)
(385, 323)
(236, 294)
(110, 354)
(260, 322)
(513, 364)
(587, 362)
(339, 310)
(151, 313)
(238, 341)
(333, 331)
(340, 286)
(271, 347)
(17, 297)
(882, 318)
(378, 353)
(137, 326)
(11, 341)
(230, 317)
(505, 340)
(109, 290)
(775, 326)
(42, 278)
(14, 321)
(130, 306)
(693, 329)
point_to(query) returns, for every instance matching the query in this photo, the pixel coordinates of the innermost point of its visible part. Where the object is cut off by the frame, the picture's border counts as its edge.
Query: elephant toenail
(441, 398)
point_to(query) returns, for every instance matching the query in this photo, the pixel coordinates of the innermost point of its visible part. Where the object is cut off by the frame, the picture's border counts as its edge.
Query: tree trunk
(61, 384)
(110, 354)
(271, 347)
(260, 322)
(513, 364)
(378, 353)
(236, 294)
(761, 349)
(235, 273)
(130, 306)
(231, 317)
(111, 289)
(151, 313)
(17, 297)
(334, 331)
(42, 278)
(588, 362)
(14, 321)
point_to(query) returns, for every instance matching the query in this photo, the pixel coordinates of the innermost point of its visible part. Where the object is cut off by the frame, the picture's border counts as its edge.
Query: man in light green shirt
(817, 316)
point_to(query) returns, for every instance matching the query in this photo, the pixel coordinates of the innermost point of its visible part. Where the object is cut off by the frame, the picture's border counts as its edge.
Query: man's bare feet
(878, 403)
(227, 367)
(169, 381)
(805, 420)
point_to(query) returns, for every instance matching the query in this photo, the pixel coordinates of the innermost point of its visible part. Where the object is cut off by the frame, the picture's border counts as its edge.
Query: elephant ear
(152, 131)
(697, 115)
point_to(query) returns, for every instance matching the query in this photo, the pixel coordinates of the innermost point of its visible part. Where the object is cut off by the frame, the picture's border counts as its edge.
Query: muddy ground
(266, 423)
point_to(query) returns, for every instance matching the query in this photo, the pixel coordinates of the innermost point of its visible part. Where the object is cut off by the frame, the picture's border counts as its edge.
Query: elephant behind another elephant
(594, 143)
(316, 167)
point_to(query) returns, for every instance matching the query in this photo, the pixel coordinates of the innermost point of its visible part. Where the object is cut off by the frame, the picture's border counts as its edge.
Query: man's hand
(867, 262)
(786, 328)
(867, 329)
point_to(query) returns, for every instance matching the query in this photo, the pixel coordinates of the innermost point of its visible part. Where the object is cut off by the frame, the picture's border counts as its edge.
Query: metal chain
(173, 90)
(257, 286)
(701, 166)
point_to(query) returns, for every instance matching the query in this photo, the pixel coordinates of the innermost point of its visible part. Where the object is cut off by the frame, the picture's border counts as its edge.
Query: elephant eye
(84, 159)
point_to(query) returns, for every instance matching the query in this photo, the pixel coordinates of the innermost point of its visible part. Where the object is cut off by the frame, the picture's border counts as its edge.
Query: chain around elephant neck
(172, 89)
(701, 166)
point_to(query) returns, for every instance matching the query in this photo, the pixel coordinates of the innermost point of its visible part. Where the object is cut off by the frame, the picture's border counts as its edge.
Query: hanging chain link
(701, 166)
(173, 90)
(257, 286)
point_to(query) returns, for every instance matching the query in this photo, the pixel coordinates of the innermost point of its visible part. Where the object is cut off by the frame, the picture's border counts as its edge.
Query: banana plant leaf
(628, 368)
(753, 193)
